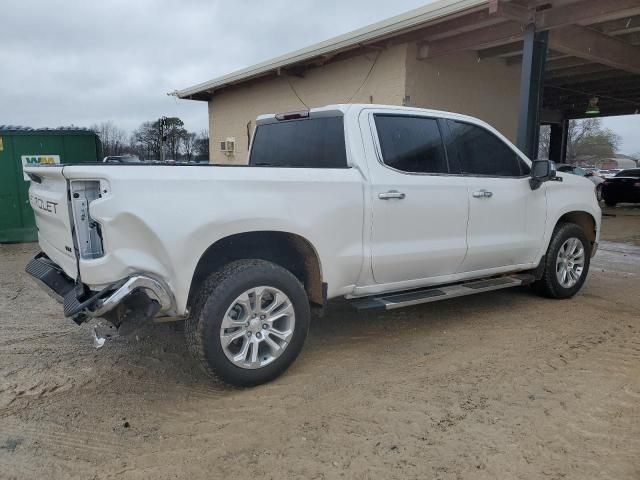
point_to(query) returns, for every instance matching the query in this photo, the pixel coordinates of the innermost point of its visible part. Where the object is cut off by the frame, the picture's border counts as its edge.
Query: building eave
(355, 39)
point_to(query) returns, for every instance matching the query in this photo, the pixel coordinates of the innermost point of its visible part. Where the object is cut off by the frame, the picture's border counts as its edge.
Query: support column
(534, 55)
(555, 142)
(565, 140)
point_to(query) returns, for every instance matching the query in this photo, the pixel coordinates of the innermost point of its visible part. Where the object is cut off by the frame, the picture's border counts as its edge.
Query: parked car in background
(595, 178)
(612, 172)
(121, 159)
(623, 188)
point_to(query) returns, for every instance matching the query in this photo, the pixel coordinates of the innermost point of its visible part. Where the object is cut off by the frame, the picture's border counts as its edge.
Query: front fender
(573, 194)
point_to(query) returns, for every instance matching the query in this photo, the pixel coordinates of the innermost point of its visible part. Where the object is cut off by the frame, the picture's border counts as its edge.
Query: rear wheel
(249, 322)
(599, 192)
(566, 263)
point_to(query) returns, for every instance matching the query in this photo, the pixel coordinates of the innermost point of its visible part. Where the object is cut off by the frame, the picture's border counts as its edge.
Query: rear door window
(307, 143)
(480, 152)
(411, 144)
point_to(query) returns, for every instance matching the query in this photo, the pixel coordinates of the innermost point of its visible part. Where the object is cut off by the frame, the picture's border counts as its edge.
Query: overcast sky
(80, 62)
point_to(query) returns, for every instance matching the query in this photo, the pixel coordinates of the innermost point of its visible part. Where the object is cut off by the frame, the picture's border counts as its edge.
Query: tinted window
(629, 173)
(311, 142)
(525, 169)
(482, 153)
(411, 144)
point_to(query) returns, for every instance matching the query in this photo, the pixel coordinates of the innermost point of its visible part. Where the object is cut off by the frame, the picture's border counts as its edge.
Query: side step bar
(427, 295)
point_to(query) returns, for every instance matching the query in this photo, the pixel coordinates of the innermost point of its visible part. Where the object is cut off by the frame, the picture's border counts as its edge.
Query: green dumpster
(23, 145)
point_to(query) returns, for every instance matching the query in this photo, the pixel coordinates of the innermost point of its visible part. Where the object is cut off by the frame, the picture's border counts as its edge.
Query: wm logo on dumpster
(31, 160)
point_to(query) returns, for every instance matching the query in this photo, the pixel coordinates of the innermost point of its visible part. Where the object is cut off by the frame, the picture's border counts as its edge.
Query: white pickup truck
(387, 206)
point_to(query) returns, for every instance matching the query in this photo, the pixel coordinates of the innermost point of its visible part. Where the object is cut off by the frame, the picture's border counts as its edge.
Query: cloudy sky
(80, 62)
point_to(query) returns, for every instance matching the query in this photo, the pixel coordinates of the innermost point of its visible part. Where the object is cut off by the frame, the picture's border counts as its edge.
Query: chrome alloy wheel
(570, 262)
(257, 327)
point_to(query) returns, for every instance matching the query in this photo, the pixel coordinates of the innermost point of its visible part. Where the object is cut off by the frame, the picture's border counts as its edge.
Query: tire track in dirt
(46, 338)
(54, 438)
(458, 390)
(32, 398)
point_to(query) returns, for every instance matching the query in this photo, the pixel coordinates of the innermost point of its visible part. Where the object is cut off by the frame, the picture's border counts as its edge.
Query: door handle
(482, 194)
(391, 194)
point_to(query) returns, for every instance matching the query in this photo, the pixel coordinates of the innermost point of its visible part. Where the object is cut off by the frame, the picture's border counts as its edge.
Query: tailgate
(48, 198)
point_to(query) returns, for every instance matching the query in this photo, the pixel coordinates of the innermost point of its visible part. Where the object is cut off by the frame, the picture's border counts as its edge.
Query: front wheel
(566, 263)
(249, 322)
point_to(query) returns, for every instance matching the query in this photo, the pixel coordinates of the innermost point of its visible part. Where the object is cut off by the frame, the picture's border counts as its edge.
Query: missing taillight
(87, 231)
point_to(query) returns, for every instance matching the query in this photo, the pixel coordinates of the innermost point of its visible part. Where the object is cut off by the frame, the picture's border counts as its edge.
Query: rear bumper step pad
(80, 303)
(50, 277)
(427, 295)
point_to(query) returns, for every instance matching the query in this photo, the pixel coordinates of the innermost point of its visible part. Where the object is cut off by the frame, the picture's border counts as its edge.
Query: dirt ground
(499, 386)
(622, 224)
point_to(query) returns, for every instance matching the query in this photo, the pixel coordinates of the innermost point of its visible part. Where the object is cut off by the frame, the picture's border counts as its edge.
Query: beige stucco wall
(336, 82)
(487, 89)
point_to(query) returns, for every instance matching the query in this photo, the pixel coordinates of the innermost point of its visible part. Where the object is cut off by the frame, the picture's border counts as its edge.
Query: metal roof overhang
(594, 47)
(334, 46)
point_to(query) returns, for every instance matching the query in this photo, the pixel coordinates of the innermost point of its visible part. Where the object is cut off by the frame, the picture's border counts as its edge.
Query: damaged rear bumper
(81, 303)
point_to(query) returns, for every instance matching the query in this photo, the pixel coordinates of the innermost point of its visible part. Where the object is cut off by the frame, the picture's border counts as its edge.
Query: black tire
(599, 192)
(548, 285)
(609, 203)
(217, 294)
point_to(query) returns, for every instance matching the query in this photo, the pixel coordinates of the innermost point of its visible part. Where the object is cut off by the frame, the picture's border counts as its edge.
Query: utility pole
(163, 136)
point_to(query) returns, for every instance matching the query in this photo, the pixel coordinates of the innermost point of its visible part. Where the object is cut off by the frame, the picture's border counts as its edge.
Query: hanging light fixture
(593, 108)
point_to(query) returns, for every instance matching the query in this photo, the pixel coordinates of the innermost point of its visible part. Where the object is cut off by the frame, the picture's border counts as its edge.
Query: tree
(189, 145)
(202, 146)
(113, 139)
(587, 141)
(175, 133)
(146, 139)
(598, 146)
(544, 141)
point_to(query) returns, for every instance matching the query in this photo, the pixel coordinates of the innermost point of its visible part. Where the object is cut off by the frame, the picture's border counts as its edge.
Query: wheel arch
(289, 250)
(584, 220)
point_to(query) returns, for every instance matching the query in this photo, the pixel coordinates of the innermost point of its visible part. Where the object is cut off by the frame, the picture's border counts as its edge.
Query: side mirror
(541, 171)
